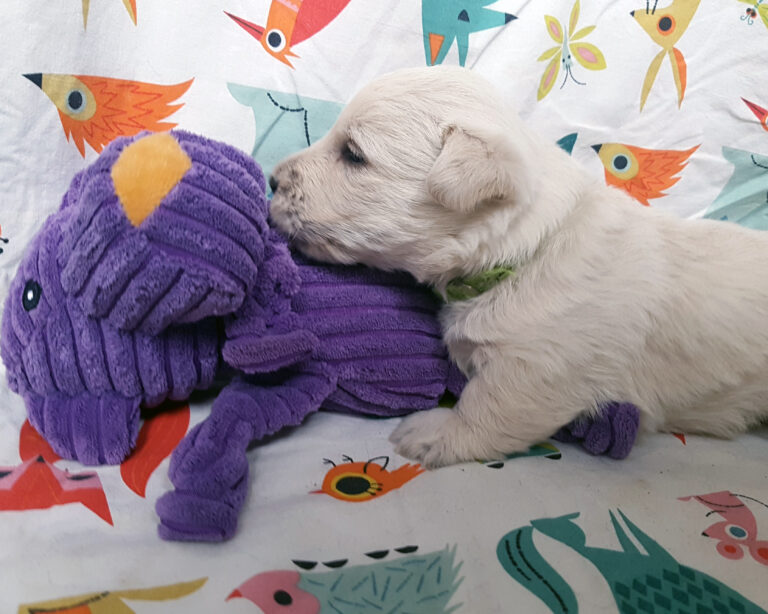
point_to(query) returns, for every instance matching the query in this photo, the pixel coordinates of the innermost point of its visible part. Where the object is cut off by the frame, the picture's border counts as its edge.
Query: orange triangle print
(435, 43)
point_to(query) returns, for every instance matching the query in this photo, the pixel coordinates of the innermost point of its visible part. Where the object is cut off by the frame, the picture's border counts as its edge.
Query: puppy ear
(476, 165)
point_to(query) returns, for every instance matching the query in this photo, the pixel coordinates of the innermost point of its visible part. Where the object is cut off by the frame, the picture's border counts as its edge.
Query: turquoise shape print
(417, 583)
(285, 122)
(744, 199)
(649, 582)
(445, 21)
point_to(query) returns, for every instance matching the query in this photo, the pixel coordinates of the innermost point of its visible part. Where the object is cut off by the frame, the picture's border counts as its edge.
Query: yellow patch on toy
(146, 171)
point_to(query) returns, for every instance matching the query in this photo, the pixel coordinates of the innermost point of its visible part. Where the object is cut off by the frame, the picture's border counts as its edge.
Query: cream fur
(612, 300)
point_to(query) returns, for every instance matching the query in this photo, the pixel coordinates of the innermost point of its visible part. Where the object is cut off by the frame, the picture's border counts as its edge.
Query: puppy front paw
(432, 437)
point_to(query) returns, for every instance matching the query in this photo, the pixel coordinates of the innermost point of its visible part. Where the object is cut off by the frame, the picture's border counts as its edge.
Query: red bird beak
(760, 112)
(234, 595)
(256, 31)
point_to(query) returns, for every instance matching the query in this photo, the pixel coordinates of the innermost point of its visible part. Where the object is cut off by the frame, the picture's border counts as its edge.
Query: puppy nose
(273, 183)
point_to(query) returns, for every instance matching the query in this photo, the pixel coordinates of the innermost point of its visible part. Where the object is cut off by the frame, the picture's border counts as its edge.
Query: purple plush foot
(612, 432)
(188, 517)
(209, 471)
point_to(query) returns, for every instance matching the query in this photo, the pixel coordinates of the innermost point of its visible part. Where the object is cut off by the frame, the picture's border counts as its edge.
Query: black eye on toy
(32, 294)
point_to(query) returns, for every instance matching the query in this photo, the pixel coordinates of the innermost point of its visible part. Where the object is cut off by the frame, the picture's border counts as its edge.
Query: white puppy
(427, 171)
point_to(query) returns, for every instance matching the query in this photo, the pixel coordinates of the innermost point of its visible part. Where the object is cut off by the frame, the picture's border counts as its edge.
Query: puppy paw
(433, 438)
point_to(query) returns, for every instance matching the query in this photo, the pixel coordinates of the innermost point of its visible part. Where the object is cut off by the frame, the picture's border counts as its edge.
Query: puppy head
(415, 162)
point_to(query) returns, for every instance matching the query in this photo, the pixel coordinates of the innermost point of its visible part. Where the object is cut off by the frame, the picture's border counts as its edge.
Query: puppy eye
(351, 155)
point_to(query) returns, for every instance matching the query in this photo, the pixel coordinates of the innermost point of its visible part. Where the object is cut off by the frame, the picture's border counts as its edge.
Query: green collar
(464, 288)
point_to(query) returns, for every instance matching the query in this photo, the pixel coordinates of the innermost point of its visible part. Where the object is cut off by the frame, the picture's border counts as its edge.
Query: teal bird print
(744, 199)
(285, 122)
(415, 583)
(567, 142)
(445, 21)
(641, 582)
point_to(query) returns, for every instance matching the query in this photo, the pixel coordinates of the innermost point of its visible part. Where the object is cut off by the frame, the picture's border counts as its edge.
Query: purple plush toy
(159, 275)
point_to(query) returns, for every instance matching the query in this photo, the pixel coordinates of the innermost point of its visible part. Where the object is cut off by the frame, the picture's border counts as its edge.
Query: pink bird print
(737, 531)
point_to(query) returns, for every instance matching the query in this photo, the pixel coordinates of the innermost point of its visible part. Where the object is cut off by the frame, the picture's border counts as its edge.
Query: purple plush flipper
(612, 431)
(264, 334)
(209, 469)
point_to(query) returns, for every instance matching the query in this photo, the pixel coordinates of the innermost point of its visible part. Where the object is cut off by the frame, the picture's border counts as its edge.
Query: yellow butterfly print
(568, 48)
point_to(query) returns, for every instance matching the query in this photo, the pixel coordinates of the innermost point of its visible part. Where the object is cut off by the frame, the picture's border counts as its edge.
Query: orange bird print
(665, 27)
(130, 6)
(363, 481)
(642, 173)
(97, 110)
(290, 22)
(760, 113)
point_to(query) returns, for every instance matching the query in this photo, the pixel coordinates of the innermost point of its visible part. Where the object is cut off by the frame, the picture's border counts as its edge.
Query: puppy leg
(486, 424)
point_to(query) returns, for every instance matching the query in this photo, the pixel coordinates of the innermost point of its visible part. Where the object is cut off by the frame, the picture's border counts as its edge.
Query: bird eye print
(282, 597)
(76, 101)
(666, 25)
(354, 485)
(31, 295)
(620, 163)
(569, 46)
(618, 160)
(276, 40)
(363, 481)
(736, 532)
